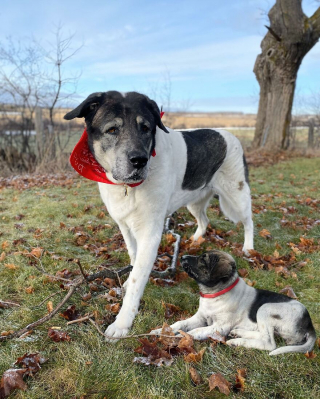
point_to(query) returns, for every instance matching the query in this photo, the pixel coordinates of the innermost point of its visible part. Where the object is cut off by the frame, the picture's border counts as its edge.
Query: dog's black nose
(138, 160)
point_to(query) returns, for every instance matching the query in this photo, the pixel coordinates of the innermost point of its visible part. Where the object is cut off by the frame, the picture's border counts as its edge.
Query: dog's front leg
(148, 242)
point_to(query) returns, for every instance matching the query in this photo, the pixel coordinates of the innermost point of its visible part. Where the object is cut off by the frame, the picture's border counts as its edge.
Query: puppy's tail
(306, 347)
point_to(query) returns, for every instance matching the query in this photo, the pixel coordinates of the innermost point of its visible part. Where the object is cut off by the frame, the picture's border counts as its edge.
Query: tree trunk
(290, 36)
(311, 134)
(39, 131)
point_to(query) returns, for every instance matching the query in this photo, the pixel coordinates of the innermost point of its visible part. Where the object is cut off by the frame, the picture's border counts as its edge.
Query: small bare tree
(290, 36)
(32, 78)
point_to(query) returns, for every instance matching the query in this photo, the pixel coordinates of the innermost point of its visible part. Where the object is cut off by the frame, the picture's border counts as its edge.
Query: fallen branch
(44, 318)
(109, 273)
(130, 336)
(80, 320)
(8, 304)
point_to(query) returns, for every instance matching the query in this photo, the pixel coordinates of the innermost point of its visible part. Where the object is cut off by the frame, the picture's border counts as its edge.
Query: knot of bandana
(83, 162)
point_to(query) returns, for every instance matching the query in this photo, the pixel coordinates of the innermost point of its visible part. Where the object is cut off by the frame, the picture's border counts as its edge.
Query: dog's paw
(157, 331)
(233, 333)
(235, 342)
(113, 332)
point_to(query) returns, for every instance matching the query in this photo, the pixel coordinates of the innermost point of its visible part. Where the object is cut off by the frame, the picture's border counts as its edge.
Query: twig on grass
(8, 304)
(80, 320)
(109, 273)
(131, 336)
(48, 297)
(47, 317)
(75, 284)
(77, 261)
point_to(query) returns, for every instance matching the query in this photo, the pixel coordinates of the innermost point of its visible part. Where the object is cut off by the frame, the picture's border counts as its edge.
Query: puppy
(231, 307)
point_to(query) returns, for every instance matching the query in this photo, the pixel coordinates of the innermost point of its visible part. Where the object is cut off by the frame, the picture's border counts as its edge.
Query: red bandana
(220, 292)
(83, 162)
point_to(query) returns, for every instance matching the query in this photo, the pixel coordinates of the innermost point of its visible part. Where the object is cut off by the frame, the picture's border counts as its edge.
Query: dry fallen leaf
(37, 252)
(12, 379)
(217, 338)
(11, 266)
(58, 335)
(170, 310)
(194, 357)
(50, 306)
(217, 380)
(310, 355)
(5, 245)
(265, 234)
(71, 313)
(243, 272)
(287, 290)
(170, 238)
(29, 290)
(195, 376)
(240, 380)
(114, 308)
(2, 256)
(31, 361)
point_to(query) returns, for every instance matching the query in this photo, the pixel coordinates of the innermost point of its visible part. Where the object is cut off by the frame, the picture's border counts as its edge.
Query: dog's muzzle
(138, 159)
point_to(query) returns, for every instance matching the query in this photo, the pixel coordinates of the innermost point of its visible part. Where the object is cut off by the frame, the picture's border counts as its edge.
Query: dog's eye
(112, 130)
(144, 128)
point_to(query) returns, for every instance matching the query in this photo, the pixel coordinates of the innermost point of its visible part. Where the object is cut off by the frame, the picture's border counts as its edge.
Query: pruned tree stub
(290, 36)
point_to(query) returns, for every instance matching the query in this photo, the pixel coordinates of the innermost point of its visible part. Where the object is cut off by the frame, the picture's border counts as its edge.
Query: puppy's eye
(112, 130)
(144, 128)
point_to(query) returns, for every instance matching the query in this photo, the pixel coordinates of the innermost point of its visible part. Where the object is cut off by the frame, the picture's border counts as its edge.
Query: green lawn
(70, 221)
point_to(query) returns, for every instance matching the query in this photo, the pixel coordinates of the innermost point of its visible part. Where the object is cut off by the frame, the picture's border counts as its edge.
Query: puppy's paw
(234, 333)
(157, 331)
(235, 342)
(113, 332)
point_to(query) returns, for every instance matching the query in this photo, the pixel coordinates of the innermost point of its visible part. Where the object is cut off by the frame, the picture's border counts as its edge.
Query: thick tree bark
(290, 36)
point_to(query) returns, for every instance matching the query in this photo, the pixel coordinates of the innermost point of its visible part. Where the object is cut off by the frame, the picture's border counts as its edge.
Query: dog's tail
(306, 347)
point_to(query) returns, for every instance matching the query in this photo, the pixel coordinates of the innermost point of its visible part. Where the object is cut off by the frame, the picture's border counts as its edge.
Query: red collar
(83, 162)
(220, 292)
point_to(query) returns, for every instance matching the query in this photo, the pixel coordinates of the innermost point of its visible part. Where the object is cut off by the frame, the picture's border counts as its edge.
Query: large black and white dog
(231, 307)
(188, 169)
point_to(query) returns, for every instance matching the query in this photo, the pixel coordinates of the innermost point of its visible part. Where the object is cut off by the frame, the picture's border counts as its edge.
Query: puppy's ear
(156, 113)
(90, 104)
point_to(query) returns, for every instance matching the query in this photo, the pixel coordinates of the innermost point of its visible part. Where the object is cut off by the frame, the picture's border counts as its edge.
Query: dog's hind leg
(235, 203)
(263, 338)
(199, 210)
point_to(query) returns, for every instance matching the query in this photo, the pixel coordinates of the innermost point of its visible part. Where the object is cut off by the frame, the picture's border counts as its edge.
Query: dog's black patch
(304, 324)
(206, 151)
(246, 170)
(262, 297)
(276, 316)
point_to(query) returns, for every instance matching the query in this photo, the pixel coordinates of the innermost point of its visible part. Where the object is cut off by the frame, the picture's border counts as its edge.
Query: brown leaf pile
(48, 180)
(160, 351)
(13, 378)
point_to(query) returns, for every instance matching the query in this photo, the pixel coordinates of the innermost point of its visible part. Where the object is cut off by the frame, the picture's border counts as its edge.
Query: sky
(187, 55)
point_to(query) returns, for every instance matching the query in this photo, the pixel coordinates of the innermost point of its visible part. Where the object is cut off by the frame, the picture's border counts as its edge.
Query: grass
(90, 368)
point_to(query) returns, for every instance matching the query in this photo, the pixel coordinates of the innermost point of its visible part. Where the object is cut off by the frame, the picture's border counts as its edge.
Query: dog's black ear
(90, 104)
(156, 113)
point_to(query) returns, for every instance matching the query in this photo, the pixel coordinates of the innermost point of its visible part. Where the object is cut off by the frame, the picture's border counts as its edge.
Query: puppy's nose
(138, 159)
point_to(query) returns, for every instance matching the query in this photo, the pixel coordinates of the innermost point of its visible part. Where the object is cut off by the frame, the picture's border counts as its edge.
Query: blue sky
(204, 50)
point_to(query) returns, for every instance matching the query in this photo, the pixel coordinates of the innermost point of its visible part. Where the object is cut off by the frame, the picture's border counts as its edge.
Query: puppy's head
(121, 132)
(211, 269)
